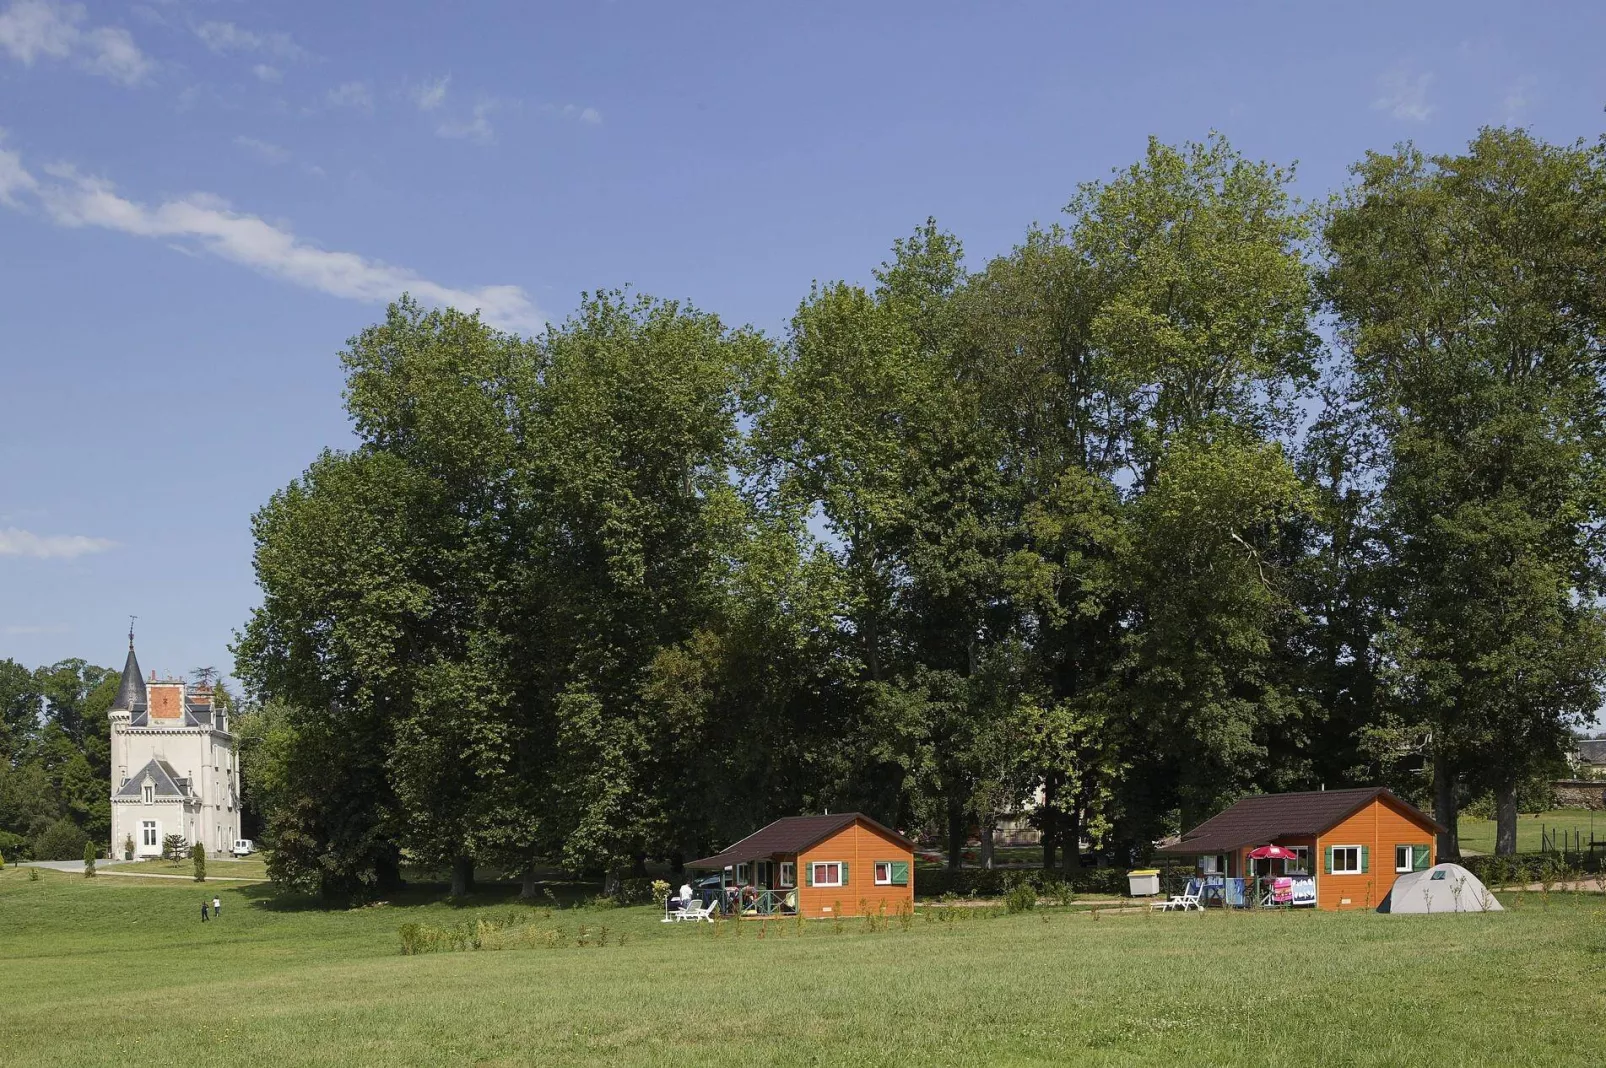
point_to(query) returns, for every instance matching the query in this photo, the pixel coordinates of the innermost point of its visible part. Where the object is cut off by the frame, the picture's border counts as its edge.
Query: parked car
(243, 847)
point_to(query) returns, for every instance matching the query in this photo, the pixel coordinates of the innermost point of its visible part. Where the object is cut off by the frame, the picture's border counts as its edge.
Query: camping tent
(1441, 888)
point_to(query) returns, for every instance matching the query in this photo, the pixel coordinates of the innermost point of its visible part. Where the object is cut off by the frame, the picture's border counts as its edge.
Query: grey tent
(1441, 888)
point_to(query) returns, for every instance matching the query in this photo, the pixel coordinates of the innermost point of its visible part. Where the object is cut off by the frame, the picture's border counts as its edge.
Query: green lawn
(111, 971)
(1478, 835)
(252, 867)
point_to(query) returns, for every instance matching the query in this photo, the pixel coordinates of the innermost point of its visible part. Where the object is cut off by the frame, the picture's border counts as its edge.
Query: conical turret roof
(131, 693)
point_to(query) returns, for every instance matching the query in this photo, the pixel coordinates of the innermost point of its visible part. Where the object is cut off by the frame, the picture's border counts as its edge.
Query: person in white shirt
(685, 894)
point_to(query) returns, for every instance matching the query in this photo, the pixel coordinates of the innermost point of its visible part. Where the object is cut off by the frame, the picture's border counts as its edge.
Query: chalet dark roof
(1592, 750)
(1264, 818)
(131, 691)
(168, 782)
(789, 837)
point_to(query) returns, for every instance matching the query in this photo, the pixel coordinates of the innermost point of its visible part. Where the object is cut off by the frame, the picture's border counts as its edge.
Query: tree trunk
(1505, 819)
(462, 876)
(527, 890)
(610, 882)
(988, 831)
(1073, 837)
(1048, 819)
(677, 862)
(1444, 808)
(638, 866)
(956, 834)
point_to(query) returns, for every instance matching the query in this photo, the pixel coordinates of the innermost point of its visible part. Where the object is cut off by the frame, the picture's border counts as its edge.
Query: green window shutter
(1419, 858)
(808, 874)
(1328, 870)
(844, 873)
(900, 873)
(1365, 862)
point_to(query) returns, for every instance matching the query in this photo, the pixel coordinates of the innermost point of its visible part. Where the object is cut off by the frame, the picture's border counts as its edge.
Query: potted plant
(128, 847)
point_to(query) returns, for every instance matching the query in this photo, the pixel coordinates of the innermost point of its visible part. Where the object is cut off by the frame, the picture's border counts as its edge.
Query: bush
(62, 840)
(13, 845)
(90, 853)
(198, 855)
(997, 882)
(635, 892)
(1022, 898)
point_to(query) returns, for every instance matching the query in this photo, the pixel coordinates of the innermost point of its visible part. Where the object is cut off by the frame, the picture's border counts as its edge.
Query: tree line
(1199, 490)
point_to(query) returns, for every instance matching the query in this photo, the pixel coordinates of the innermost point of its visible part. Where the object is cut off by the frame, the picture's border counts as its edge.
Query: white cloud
(1518, 99)
(226, 37)
(204, 223)
(1404, 95)
(431, 95)
(354, 95)
(14, 178)
(590, 116)
(15, 541)
(265, 151)
(34, 29)
(477, 129)
(266, 73)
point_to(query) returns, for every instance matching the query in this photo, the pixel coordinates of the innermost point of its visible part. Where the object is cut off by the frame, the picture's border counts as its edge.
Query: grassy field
(1478, 835)
(109, 971)
(252, 867)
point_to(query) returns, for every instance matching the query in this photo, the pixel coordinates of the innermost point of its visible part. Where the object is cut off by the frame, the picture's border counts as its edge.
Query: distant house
(1589, 758)
(829, 865)
(1349, 843)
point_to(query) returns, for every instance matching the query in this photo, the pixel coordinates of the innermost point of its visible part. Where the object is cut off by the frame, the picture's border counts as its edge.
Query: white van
(243, 847)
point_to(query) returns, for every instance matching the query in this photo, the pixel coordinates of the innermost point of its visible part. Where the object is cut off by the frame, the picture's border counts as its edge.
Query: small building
(1348, 845)
(842, 864)
(173, 766)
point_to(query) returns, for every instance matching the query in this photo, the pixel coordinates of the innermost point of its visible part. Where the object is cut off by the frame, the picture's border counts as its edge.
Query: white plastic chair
(1188, 899)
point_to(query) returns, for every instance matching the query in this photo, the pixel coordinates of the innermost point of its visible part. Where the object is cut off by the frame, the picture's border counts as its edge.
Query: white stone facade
(174, 768)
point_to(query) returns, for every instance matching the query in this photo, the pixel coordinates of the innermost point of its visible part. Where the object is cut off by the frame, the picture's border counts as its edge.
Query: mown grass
(252, 867)
(109, 971)
(1478, 835)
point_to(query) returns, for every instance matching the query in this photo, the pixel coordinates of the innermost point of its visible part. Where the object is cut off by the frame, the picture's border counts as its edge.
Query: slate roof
(168, 782)
(131, 690)
(1592, 750)
(789, 837)
(1263, 818)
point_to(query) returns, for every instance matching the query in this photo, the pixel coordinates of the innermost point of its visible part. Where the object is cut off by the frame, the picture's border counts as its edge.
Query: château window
(149, 793)
(147, 832)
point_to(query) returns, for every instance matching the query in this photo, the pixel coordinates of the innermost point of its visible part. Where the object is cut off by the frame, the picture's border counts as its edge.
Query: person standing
(203, 910)
(217, 907)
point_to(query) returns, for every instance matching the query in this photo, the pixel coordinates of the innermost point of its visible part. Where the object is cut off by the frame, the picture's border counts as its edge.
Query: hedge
(997, 882)
(1529, 867)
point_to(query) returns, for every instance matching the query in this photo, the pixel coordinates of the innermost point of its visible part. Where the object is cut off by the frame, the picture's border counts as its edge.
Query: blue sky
(200, 201)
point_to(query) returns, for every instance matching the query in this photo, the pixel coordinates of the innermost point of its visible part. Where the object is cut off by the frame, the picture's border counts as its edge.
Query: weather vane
(131, 631)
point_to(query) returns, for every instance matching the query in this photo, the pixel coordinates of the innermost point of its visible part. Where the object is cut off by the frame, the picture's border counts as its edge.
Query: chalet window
(1346, 860)
(1300, 861)
(883, 873)
(741, 872)
(149, 793)
(147, 832)
(892, 873)
(1402, 858)
(788, 873)
(828, 873)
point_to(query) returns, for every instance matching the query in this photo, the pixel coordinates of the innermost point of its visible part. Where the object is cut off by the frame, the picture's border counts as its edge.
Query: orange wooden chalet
(833, 865)
(1351, 843)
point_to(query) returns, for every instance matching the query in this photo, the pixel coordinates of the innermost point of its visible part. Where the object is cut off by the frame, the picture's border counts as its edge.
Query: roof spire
(131, 690)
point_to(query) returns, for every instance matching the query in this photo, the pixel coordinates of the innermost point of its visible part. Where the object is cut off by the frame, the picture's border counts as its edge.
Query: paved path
(108, 867)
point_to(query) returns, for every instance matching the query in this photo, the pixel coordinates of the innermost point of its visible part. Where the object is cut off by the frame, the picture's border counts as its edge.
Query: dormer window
(149, 793)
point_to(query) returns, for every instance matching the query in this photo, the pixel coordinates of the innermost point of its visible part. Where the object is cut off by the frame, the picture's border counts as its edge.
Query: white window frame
(149, 832)
(147, 794)
(1347, 871)
(1409, 853)
(742, 870)
(879, 867)
(814, 871)
(788, 873)
(1301, 861)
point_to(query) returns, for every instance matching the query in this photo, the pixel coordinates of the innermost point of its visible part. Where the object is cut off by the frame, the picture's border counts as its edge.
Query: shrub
(128, 847)
(173, 848)
(997, 882)
(90, 853)
(198, 855)
(636, 892)
(62, 840)
(33, 875)
(1022, 897)
(2, 862)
